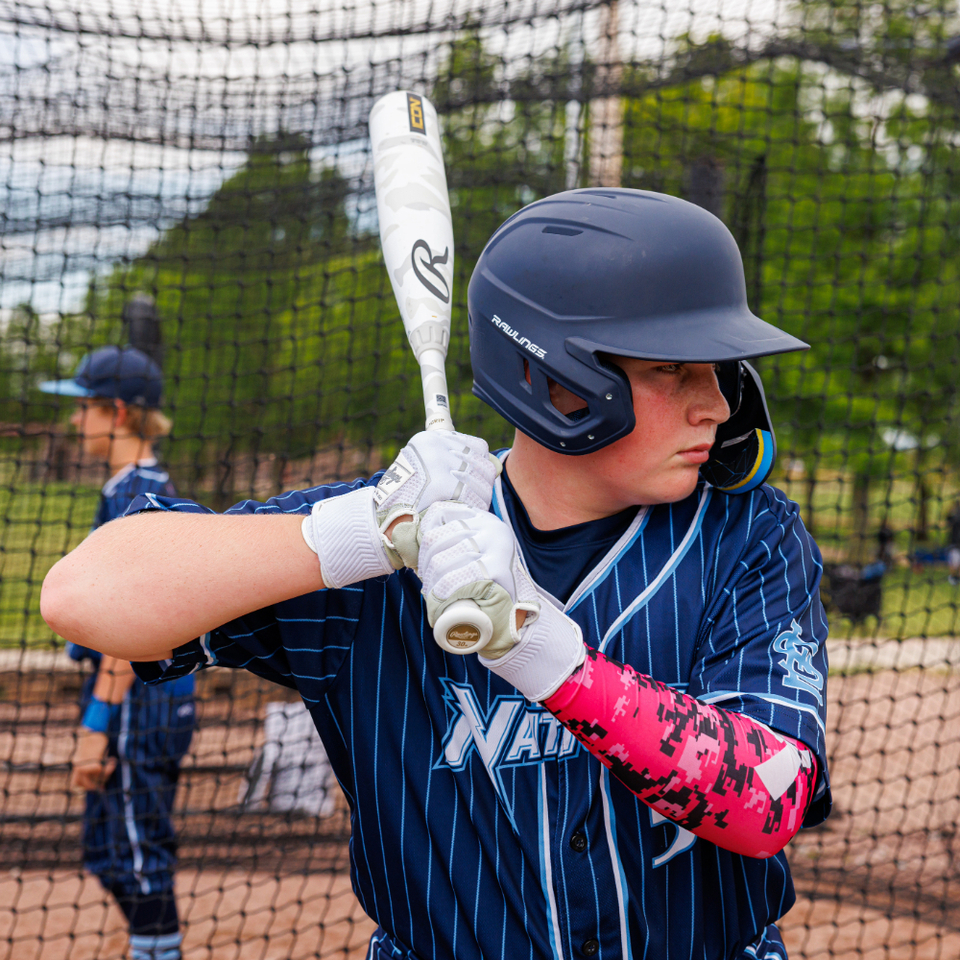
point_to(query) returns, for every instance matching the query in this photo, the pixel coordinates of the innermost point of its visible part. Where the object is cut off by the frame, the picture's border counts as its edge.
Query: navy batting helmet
(123, 373)
(626, 273)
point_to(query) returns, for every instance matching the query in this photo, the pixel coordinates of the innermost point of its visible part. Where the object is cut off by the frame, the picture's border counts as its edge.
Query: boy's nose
(712, 403)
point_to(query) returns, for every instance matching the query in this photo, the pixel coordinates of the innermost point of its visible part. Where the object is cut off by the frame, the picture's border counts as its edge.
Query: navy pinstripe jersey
(126, 485)
(465, 797)
(118, 493)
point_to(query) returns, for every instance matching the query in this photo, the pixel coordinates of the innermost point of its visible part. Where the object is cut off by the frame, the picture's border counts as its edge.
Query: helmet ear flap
(730, 380)
(746, 447)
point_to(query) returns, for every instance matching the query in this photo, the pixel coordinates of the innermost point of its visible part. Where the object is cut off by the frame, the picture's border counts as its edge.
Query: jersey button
(579, 843)
(590, 948)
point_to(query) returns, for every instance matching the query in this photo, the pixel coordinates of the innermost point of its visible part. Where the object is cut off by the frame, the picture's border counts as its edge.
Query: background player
(671, 625)
(132, 737)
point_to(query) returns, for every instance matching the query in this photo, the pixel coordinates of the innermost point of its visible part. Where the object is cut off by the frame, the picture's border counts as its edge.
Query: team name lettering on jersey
(513, 733)
(682, 840)
(798, 662)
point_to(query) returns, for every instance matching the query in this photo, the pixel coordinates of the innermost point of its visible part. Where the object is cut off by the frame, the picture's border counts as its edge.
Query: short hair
(149, 423)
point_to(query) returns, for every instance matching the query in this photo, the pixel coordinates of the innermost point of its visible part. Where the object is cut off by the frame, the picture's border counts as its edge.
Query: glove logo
(513, 733)
(427, 262)
(798, 662)
(394, 477)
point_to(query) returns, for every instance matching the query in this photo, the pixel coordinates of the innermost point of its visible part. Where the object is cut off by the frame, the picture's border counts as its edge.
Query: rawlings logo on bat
(426, 263)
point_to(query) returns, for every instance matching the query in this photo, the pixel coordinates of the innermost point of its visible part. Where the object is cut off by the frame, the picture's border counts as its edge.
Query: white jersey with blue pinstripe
(480, 827)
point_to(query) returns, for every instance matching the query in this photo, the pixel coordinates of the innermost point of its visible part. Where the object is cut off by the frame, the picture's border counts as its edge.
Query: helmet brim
(702, 336)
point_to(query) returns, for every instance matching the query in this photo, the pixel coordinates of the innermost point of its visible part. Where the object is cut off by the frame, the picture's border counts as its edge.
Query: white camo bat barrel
(416, 234)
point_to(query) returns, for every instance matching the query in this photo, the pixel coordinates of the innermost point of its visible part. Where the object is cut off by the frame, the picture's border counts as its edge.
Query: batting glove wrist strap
(550, 650)
(344, 534)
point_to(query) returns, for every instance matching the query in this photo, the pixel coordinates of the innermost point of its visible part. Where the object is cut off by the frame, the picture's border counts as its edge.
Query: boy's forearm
(114, 678)
(717, 773)
(142, 585)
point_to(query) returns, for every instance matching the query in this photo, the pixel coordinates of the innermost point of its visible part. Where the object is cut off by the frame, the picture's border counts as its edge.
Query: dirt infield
(226, 915)
(235, 914)
(879, 881)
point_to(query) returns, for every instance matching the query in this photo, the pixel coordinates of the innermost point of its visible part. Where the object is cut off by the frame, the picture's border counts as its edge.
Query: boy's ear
(119, 413)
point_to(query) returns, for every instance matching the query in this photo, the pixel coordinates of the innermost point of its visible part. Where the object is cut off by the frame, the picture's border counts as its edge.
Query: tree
(263, 318)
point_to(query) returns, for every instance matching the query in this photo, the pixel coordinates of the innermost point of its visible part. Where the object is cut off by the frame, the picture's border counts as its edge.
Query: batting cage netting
(198, 182)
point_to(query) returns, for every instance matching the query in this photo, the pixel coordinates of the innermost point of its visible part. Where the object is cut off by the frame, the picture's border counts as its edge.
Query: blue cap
(122, 373)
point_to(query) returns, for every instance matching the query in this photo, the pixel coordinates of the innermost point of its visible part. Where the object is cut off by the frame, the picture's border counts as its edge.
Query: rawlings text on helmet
(515, 335)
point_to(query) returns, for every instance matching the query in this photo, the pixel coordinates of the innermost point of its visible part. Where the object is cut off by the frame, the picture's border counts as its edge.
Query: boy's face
(678, 408)
(96, 424)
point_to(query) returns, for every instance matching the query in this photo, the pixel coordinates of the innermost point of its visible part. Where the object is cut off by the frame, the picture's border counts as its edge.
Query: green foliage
(29, 353)
(274, 214)
(499, 156)
(41, 523)
(282, 331)
(277, 317)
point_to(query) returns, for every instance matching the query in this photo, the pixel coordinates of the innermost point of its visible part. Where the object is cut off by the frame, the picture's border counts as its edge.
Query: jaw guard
(746, 447)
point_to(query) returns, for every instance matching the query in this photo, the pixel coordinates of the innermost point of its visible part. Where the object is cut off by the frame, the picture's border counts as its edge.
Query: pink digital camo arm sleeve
(715, 772)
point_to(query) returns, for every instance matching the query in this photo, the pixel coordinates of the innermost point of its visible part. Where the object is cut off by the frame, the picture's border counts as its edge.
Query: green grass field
(42, 521)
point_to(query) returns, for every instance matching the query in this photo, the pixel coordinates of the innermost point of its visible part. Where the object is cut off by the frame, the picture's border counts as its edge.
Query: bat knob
(463, 628)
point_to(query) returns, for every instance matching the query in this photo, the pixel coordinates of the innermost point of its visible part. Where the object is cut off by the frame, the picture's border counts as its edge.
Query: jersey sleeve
(271, 642)
(762, 642)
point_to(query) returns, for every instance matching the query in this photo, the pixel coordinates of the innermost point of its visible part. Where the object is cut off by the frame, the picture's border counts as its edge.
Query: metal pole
(606, 112)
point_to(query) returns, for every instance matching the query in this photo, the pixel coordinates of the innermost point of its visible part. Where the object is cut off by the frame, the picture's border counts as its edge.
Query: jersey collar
(125, 472)
(599, 572)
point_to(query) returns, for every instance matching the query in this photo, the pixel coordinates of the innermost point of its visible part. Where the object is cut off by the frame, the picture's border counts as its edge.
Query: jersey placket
(585, 888)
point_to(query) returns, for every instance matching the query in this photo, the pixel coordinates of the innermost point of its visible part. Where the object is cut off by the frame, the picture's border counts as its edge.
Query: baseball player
(132, 736)
(617, 772)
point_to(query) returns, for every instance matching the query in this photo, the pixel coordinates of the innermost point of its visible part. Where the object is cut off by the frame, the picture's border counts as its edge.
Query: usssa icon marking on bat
(415, 110)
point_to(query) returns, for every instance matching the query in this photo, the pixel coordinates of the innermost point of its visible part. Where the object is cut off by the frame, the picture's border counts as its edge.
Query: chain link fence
(200, 184)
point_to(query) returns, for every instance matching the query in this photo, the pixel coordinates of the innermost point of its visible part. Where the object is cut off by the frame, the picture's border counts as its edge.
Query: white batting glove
(348, 533)
(434, 466)
(471, 554)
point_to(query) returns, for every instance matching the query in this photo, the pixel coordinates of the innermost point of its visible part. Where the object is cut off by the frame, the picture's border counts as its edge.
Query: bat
(416, 236)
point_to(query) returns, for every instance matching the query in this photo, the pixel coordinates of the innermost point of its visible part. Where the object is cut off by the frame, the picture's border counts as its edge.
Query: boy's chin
(677, 487)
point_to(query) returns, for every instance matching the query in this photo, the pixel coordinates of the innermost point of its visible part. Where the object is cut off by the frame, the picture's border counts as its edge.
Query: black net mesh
(198, 182)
